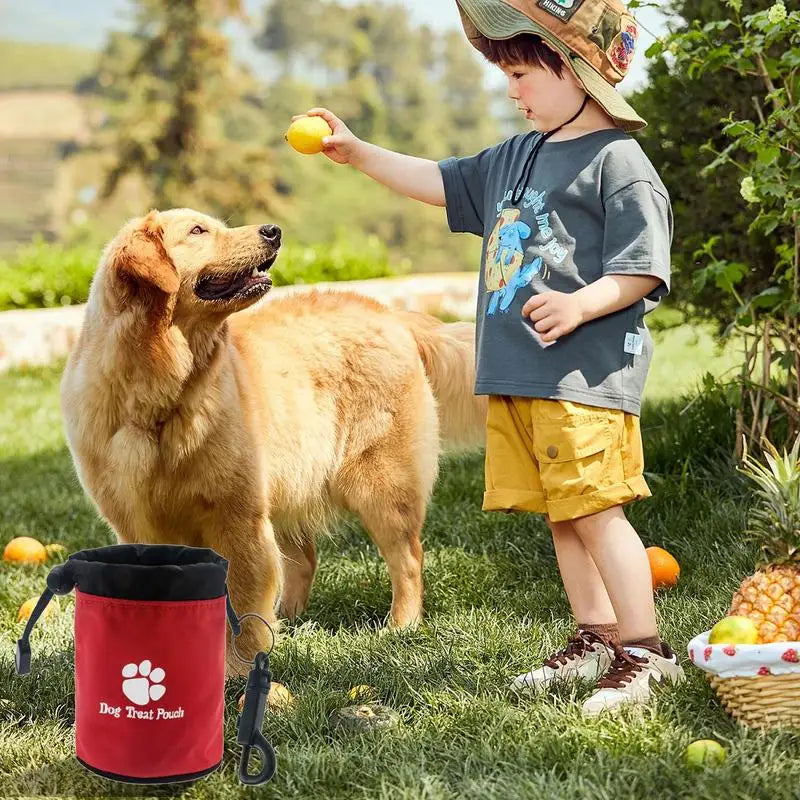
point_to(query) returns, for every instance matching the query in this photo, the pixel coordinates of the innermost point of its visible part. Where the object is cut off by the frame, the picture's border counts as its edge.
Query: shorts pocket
(574, 459)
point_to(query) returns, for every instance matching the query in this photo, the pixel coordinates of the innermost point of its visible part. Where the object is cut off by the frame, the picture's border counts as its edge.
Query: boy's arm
(417, 178)
(555, 314)
(613, 293)
(636, 258)
(413, 177)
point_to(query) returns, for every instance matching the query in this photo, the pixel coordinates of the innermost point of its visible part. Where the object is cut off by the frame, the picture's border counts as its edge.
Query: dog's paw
(147, 686)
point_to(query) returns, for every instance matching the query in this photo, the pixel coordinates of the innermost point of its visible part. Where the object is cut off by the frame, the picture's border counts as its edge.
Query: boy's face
(547, 100)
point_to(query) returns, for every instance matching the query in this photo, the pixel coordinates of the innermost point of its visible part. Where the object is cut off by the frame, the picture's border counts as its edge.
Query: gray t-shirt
(593, 206)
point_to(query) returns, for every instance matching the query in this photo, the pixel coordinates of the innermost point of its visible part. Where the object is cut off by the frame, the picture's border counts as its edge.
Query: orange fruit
(25, 550)
(663, 567)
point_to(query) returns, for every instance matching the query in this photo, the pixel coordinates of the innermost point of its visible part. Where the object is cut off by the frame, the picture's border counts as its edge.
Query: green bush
(338, 261)
(43, 275)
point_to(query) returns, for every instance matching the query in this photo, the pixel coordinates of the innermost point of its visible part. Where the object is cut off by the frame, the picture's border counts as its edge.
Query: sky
(86, 23)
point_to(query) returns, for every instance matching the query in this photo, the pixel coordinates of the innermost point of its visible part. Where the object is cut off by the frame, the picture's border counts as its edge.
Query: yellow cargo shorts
(560, 458)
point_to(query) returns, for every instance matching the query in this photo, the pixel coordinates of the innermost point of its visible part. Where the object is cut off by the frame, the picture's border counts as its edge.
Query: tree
(469, 118)
(397, 84)
(684, 114)
(760, 143)
(174, 99)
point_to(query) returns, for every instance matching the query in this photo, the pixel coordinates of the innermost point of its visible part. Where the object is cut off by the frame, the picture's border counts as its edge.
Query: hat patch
(561, 9)
(622, 48)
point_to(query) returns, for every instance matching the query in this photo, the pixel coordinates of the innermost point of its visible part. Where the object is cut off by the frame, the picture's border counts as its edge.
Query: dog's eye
(197, 229)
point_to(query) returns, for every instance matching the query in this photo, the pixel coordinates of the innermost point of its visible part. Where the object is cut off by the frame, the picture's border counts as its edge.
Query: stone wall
(39, 336)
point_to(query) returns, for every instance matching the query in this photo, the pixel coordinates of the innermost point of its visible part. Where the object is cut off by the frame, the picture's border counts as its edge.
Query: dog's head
(184, 261)
(511, 235)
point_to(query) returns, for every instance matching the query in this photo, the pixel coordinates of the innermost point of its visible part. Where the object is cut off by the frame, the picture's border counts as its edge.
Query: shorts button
(552, 451)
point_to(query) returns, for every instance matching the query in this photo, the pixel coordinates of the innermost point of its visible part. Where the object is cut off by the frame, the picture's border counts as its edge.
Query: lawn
(494, 606)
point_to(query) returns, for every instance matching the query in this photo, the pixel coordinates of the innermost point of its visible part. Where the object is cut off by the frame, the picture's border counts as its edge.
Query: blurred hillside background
(110, 108)
(75, 84)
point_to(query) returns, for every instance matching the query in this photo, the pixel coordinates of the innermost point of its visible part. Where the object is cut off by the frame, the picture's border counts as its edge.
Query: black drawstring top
(527, 168)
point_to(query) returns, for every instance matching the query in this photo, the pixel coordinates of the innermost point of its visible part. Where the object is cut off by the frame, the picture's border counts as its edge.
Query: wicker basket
(765, 701)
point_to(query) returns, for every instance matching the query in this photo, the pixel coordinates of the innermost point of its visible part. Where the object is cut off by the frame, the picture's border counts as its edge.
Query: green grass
(683, 355)
(494, 606)
(25, 65)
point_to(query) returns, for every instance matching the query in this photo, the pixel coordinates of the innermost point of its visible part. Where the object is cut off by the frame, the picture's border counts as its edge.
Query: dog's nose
(272, 233)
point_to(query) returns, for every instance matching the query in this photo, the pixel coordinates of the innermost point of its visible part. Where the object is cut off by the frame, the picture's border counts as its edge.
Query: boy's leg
(621, 561)
(589, 652)
(583, 583)
(642, 658)
(592, 463)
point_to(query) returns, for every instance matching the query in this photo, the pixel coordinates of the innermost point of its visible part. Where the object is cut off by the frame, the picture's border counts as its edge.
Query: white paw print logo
(143, 683)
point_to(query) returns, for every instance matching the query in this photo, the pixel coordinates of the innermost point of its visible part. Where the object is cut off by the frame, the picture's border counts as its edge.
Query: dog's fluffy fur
(191, 424)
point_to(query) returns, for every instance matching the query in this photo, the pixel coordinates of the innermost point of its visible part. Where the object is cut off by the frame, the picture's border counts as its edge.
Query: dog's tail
(447, 351)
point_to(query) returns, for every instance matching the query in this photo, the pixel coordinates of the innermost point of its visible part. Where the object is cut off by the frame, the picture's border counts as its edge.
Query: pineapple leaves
(774, 518)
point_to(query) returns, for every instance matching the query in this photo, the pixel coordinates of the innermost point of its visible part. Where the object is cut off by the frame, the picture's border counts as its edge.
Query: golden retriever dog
(194, 421)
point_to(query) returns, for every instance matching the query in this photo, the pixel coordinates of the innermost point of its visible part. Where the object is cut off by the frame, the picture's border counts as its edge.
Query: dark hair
(524, 48)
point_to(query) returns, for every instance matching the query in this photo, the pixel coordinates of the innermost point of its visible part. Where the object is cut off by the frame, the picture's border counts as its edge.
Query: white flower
(777, 13)
(748, 190)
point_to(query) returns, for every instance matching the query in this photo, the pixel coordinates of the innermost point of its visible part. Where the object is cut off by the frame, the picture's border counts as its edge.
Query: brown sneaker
(585, 656)
(632, 676)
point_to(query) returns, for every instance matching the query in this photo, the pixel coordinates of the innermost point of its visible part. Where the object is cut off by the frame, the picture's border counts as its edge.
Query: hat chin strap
(527, 168)
(572, 118)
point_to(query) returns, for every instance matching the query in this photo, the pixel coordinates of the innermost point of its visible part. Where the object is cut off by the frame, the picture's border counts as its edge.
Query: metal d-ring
(252, 662)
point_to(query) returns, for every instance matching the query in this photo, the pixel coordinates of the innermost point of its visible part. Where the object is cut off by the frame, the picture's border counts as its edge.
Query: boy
(577, 228)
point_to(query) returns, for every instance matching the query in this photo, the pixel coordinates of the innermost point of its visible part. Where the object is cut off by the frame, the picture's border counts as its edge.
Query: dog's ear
(142, 259)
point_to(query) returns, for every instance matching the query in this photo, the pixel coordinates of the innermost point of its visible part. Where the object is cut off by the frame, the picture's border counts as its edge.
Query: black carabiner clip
(248, 725)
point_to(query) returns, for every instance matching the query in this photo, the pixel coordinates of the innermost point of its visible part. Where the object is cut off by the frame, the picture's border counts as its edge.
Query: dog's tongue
(219, 283)
(224, 285)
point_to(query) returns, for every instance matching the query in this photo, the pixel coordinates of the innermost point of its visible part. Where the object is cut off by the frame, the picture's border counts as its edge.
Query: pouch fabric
(149, 660)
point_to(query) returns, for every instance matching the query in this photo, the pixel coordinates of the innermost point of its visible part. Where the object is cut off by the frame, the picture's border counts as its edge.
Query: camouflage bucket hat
(596, 37)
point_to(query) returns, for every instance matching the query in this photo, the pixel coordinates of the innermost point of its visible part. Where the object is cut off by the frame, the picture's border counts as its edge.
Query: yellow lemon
(56, 551)
(279, 697)
(306, 134)
(361, 693)
(25, 550)
(705, 753)
(26, 609)
(734, 630)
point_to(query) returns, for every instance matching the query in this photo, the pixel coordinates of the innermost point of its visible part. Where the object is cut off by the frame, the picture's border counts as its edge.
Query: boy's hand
(554, 314)
(342, 146)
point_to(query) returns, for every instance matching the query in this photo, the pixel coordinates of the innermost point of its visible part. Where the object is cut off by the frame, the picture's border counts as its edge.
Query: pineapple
(771, 597)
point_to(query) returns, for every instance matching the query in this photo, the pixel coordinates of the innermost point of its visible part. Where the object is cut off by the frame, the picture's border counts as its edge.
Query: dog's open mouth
(246, 283)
